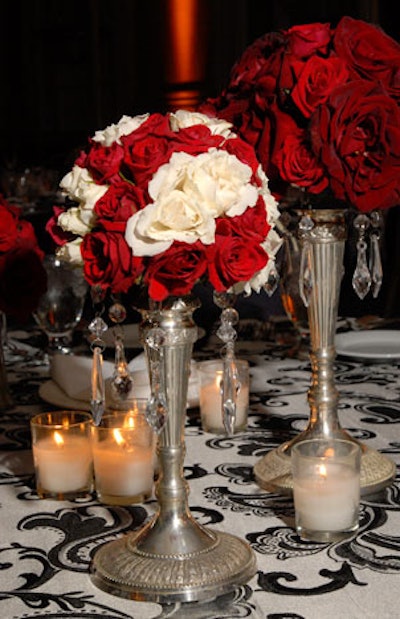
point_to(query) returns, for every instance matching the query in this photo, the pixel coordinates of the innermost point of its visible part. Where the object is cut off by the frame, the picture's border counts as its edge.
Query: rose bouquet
(22, 275)
(167, 201)
(320, 105)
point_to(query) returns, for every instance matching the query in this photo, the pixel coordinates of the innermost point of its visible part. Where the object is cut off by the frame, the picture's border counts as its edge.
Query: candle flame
(322, 471)
(58, 439)
(119, 439)
(329, 452)
(130, 422)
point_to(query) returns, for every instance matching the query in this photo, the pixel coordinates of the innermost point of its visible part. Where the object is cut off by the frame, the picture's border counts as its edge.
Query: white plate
(52, 393)
(377, 345)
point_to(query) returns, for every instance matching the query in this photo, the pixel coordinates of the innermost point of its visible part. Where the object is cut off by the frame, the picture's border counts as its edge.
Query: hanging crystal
(157, 407)
(306, 224)
(230, 384)
(375, 262)
(272, 282)
(361, 277)
(121, 383)
(97, 402)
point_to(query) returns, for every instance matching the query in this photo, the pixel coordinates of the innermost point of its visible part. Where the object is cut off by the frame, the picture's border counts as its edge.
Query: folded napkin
(72, 374)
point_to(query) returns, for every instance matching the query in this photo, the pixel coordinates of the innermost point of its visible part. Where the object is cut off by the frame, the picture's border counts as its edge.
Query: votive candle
(326, 488)
(62, 454)
(123, 449)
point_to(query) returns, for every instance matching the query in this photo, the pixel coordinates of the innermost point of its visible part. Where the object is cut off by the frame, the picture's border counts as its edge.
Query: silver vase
(173, 558)
(322, 235)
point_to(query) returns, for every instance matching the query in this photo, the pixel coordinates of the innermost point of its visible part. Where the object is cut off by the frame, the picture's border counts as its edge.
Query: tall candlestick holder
(173, 558)
(322, 234)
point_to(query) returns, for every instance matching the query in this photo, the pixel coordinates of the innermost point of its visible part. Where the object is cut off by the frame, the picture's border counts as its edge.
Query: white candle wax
(63, 466)
(121, 471)
(327, 501)
(211, 405)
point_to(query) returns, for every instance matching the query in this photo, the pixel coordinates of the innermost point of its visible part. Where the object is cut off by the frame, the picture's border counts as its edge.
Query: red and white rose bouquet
(22, 275)
(320, 105)
(165, 202)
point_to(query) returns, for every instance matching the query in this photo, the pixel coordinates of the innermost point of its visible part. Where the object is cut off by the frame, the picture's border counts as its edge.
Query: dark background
(69, 68)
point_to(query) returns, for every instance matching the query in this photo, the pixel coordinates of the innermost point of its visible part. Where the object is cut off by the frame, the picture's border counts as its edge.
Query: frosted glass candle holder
(62, 454)
(326, 488)
(124, 458)
(210, 377)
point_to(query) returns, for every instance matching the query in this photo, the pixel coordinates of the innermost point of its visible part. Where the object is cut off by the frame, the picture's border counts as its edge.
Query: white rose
(80, 186)
(71, 252)
(76, 220)
(174, 217)
(188, 194)
(216, 179)
(182, 119)
(270, 202)
(114, 132)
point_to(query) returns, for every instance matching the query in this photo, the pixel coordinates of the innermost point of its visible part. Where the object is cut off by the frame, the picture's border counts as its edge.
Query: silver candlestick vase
(173, 558)
(322, 234)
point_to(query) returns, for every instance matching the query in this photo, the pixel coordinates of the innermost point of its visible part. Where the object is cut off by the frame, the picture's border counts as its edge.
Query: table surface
(46, 546)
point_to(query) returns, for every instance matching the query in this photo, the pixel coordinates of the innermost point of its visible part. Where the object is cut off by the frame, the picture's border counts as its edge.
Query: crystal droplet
(305, 275)
(361, 277)
(272, 282)
(156, 413)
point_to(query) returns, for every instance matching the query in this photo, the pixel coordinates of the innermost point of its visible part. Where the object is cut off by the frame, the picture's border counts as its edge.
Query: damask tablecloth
(46, 546)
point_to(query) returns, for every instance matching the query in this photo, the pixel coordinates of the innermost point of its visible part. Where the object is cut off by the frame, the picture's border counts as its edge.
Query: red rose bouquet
(164, 202)
(22, 275)
(320, 105)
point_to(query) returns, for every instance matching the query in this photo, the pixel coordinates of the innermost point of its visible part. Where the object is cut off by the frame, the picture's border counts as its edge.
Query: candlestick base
(123, 569)
(273, 471)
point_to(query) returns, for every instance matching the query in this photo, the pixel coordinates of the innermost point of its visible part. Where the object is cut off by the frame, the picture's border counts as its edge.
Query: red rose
(103, 162)
(27, 238)
(120, 202)
(293, 157)
(59, 236)
(261, 58)
(308, 39)
(243, 151)
(357, 137)
(8, 227)
(251, 225)
(175, 271)
(194, 140)
(369, 52)
(108, 261)
(146, 149)
(316, 81)
(233, 259)
(22, 282)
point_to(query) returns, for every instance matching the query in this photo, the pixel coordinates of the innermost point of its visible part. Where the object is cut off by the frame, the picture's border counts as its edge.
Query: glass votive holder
(123, 447)
(210, 375)
(326, 488)
(62, 454)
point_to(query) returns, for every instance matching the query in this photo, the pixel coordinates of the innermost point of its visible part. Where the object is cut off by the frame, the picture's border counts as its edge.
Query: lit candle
(326, 492)
(211, 397)
(62, 454)
(123, 459)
